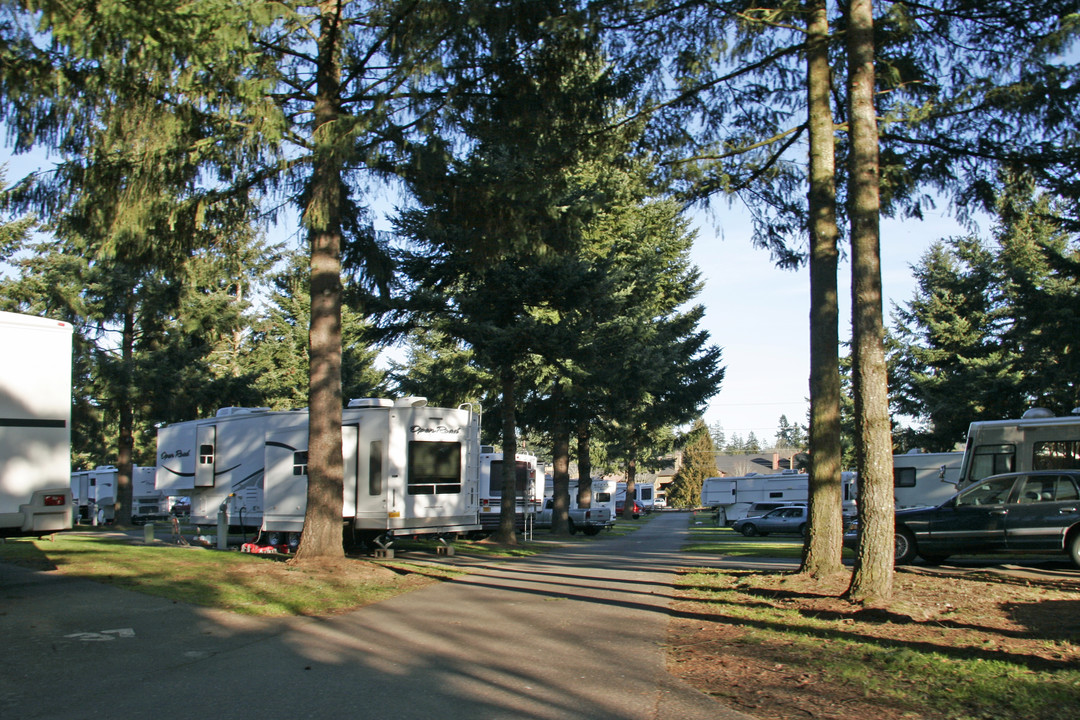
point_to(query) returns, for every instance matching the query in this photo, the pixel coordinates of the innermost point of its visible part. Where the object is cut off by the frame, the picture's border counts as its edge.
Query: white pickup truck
(588, 520)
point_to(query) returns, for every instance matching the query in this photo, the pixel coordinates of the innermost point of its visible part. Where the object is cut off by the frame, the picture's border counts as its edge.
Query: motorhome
(528, 489)
(35, 425)
(94, 495)
(925, 479)
(409, 469)
(612, 494)
(644, 493)
(1039, 440)
(732, 497)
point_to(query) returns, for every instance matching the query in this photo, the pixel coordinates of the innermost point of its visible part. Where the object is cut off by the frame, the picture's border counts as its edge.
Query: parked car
(791, 520)
(753, 510)
(1029, 512)
(637, 509)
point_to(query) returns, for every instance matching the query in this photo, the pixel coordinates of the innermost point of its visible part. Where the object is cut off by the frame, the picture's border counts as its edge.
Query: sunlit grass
(239, 582)
(940, 683)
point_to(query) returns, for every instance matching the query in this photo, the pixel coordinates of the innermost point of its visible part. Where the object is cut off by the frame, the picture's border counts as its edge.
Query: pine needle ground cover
(950, 646)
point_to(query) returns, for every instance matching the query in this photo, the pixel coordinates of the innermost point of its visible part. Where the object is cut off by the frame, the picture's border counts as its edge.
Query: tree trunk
(507, 532)
(824, 543)
(631, 483)
(871, 583)
(125, 436)
(322, 538)
(560, 457)
(584, 464)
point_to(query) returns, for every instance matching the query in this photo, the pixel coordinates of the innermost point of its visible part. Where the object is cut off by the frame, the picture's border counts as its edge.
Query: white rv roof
(370, 403)
(33, 321)
(230, 411)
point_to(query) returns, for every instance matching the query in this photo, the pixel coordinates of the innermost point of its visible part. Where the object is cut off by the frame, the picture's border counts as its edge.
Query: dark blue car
(1029, 512)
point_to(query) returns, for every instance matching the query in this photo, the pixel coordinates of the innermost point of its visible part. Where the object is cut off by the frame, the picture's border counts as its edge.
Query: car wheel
(1074, 548)
(802, 530)
(749, 530)
(571, 526)
(905, 546)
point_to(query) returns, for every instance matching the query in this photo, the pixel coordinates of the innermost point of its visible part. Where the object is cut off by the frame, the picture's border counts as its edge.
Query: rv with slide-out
(410, 469)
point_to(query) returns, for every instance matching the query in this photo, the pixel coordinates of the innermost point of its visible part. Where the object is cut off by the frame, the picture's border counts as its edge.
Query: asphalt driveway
(575, 633)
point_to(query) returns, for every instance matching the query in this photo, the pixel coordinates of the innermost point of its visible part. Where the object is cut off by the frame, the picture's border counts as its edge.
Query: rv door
(206, 445)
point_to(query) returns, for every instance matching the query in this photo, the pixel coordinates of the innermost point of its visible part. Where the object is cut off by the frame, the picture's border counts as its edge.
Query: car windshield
(994, 491)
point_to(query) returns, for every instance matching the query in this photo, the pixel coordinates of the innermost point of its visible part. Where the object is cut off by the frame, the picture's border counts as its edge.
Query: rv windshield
(990, 460)
(522, 486)
(434, 468)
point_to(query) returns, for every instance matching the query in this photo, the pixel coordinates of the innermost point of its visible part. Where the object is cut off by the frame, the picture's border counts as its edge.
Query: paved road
(575, 633)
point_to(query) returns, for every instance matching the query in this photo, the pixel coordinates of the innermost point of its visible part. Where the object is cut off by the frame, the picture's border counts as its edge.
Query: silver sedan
(790, 520)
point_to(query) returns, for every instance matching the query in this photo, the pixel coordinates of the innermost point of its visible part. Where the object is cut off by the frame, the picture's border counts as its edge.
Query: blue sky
(759, 315)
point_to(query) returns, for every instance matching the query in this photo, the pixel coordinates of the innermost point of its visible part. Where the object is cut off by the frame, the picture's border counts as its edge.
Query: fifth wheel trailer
(925, 479)
(409, 469)
(94, 495)
(733, 496)
(35, 425)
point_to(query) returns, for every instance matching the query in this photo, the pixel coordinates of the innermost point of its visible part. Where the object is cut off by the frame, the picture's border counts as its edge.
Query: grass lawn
(951, 645)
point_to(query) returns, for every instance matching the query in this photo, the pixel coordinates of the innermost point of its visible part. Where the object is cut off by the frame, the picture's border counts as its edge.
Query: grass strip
(233, 581)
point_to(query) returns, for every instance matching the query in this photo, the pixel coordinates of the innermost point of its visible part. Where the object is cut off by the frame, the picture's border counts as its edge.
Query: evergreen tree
(698, 463)
(719, 438)
(276, 355)
(984, 336)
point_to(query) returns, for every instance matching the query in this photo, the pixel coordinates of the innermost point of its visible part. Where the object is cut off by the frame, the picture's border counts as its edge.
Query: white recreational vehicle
(529, 488)
(644, 493)
(35, 425)
(925, 479)
(732, 497)
(409, 469)
(94, 495)
(1037, 441)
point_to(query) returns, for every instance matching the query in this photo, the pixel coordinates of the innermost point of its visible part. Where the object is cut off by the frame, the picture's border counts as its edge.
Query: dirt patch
(725, 644)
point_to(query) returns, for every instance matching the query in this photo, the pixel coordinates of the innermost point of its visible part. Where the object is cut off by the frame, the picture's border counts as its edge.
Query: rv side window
(434, 468)
(299, 463)
(903, 477)
(603, 497)
(522, 480)
(992, 460)
(206, 454)
(646, 493)
(375, 476)
(1056, 455)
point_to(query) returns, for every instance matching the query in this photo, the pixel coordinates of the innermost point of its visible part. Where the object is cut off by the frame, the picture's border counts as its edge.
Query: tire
(802, 530)
(905, 547)
(1074, 548)
(749, 530)
(591, 530)
(571, 526)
